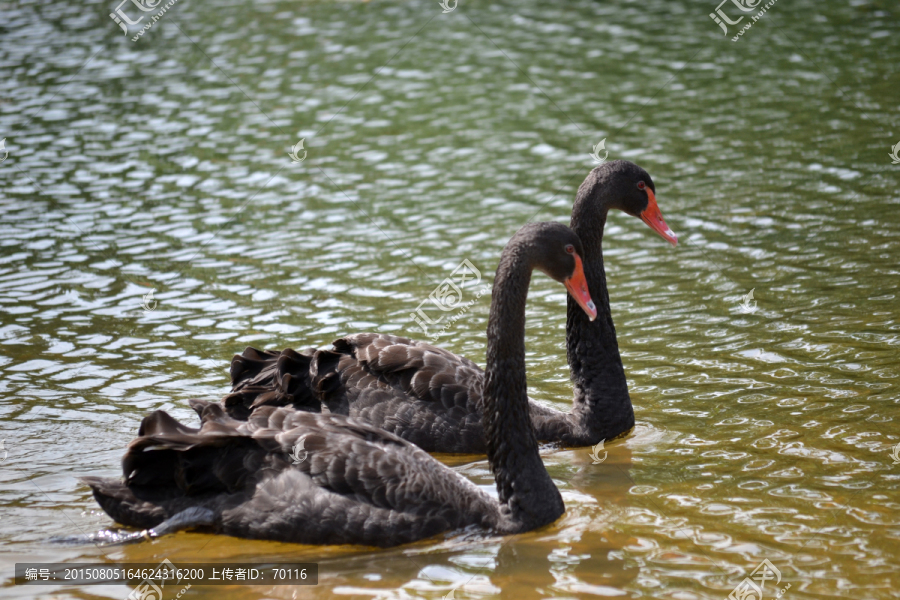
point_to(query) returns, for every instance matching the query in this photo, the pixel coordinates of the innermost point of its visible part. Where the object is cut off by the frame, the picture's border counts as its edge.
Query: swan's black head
(555, 250)
(627, 187)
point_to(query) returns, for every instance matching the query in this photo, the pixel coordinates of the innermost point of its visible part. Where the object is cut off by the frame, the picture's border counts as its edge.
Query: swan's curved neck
(602, 407)
(528, 496)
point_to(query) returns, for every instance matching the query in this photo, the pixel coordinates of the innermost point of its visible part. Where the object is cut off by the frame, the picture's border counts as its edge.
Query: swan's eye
(641, 185)
(570, 249)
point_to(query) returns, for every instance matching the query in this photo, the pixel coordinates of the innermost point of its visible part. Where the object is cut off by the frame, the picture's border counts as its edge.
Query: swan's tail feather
(198, 405)
(174, 460)
(270, 378)
(152, 517)
(249, 363)
(119, 502)
(325, 380)
(170, 468)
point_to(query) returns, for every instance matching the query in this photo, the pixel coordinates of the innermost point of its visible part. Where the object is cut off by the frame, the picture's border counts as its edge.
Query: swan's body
(433, 397)
(357, 483)
(420, 392)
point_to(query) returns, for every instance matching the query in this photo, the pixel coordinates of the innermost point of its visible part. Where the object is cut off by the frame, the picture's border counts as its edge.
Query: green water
(163, 164)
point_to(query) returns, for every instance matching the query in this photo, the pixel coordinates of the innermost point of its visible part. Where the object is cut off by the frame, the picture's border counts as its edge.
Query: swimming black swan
(432, 397)
(353, 483)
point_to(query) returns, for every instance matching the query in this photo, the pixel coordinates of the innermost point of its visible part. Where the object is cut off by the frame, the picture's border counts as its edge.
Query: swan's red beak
(654, 219)
(577, 286)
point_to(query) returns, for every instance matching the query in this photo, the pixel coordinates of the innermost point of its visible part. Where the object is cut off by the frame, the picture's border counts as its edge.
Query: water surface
(162, 164)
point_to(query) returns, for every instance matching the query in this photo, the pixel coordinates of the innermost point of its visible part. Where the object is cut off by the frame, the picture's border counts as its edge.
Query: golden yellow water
(764, 433)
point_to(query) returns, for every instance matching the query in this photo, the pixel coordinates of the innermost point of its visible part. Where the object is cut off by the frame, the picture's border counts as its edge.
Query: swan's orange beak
(654, 219)
(577, 286)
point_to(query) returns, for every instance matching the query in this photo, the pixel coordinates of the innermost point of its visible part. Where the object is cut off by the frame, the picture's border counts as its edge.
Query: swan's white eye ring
(641, 185)
(570, 249)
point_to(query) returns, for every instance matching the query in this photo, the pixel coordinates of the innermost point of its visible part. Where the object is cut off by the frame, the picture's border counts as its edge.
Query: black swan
(352, 483)
(432, 397)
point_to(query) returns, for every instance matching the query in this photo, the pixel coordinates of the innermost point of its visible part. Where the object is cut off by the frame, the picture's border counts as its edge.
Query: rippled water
(163, 165)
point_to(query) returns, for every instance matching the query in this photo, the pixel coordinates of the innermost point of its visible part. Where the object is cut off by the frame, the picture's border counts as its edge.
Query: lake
(765, 425)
